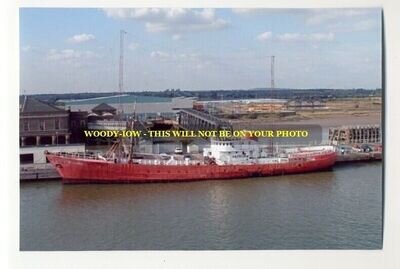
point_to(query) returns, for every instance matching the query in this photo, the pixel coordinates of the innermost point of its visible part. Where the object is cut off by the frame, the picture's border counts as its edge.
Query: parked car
(164, 156)
(178, 151)
(366, 148)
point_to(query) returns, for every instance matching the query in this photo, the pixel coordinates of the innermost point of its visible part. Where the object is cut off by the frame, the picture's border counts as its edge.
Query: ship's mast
(133, 139)
(121, 84)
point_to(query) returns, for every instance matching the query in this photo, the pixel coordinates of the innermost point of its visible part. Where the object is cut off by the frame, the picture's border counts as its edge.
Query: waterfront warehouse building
(43, 127)
(41, 123)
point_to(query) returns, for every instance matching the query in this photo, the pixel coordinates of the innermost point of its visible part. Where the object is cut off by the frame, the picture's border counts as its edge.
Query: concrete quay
(33, 172)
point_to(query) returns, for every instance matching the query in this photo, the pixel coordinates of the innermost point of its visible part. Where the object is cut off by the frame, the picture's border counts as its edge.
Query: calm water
(340, 209)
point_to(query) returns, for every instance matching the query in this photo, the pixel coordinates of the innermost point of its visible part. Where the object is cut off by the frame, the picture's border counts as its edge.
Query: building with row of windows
(42, 124)
(46, 127)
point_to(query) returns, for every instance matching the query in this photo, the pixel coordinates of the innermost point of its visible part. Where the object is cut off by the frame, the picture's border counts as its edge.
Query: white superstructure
(248, 151)
(243, 151)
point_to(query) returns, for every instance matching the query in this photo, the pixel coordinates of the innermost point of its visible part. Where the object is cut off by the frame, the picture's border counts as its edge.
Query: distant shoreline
(227, 94)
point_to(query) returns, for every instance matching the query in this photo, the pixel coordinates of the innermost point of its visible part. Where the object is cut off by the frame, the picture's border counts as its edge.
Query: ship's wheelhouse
(235, 151)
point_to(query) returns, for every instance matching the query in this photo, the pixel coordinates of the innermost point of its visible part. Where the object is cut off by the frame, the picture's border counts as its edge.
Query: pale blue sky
(77, 50)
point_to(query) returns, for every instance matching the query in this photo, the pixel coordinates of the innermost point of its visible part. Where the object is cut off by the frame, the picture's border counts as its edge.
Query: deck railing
(81, 155)
(107, 125)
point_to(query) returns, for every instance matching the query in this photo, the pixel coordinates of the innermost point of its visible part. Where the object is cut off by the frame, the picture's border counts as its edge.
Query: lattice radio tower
(272, 71)
(121, 68)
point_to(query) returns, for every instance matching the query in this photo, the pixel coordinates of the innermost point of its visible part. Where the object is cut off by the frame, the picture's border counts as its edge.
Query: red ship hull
(78, 170)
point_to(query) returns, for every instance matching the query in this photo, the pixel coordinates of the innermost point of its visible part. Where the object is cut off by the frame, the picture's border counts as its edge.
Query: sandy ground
(351, 111)
(338, 120)
(325, 121)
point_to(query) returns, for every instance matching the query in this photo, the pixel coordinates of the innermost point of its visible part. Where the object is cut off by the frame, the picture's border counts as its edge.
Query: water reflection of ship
(219, 193)
(79, 195)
